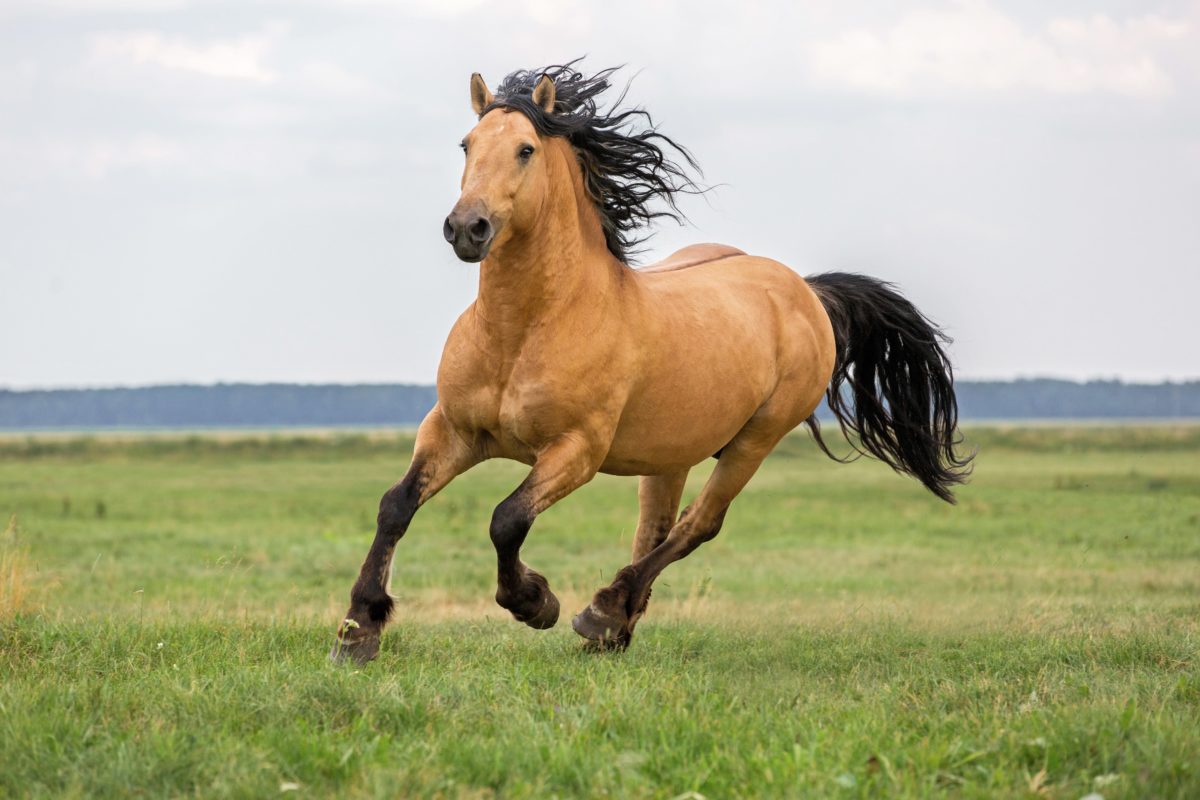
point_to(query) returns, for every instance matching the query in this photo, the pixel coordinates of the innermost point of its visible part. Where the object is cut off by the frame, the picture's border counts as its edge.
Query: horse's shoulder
(691, 256)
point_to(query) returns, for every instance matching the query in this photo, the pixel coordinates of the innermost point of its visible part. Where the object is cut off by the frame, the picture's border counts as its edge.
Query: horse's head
(505, 176)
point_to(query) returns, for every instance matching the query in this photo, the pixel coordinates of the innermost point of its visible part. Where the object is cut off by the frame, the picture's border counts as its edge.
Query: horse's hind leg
(658, 506)
(615, 609)
(438, 456)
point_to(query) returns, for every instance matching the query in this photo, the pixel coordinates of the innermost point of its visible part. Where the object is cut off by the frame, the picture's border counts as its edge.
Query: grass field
(167, 603)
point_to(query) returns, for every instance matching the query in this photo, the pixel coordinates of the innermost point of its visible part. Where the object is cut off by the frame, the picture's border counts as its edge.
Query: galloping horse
(574, 363)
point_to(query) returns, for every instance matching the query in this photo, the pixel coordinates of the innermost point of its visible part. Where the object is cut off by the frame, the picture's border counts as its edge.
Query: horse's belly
(678, 426)
(632, 457)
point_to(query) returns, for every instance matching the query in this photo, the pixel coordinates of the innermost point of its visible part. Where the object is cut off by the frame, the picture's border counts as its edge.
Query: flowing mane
(623, 156)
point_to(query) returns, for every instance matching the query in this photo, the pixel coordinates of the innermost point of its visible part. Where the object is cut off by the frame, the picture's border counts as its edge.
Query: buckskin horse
(574, 363)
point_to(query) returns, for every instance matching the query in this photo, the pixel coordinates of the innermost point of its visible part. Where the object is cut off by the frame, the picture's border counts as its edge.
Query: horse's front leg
(438, 456)
(560, 469)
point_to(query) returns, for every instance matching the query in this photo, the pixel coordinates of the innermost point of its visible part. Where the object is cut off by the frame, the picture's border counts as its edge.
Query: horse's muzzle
(470, 233)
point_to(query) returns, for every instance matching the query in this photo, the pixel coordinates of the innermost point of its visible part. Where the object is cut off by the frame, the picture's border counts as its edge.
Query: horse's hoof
(532, 602)
(617, 645)
(609, 632)
(359, 652)
(546, 616)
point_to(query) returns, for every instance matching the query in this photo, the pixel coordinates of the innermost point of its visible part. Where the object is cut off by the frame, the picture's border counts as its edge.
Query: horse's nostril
(480, 230)
(448, 231)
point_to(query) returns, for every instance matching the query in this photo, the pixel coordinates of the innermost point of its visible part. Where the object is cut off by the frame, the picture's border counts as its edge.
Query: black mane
(621, 152)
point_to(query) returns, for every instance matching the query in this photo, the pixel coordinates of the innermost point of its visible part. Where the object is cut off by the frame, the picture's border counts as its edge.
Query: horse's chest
(517, 403)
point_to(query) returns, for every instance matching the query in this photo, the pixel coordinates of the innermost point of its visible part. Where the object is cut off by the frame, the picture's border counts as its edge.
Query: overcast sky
(253, 191)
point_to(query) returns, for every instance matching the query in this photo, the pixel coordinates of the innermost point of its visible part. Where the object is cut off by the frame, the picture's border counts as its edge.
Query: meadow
(167, 603)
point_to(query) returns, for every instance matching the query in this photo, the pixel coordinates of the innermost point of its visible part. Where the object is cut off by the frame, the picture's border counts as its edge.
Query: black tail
(900, 404)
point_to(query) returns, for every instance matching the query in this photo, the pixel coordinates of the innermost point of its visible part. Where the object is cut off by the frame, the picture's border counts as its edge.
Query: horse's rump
(717, 344)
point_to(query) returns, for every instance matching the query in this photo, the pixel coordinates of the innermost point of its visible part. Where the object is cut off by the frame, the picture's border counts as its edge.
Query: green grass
(846, 635)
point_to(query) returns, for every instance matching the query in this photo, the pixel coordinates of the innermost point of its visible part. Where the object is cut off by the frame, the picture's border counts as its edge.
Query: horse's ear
(543, 94)
(481, 95)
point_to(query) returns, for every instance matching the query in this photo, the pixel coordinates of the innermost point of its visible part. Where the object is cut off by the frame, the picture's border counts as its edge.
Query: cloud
(17, 81)
(98, 159)
(240, 58)
(971, 46)
(73, 7)
(434, 9)
(329, 79)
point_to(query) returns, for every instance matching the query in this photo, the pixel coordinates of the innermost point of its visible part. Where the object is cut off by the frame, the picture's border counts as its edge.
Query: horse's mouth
(471, 252)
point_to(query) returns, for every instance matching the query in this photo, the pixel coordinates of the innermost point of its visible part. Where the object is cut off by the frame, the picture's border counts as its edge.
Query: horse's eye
(525, 152)
(463, 145)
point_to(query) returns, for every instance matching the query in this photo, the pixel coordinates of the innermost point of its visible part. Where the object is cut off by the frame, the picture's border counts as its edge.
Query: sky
(254, 191)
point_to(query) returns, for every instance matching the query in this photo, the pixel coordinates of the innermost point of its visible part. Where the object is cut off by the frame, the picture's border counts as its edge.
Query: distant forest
(291, 405)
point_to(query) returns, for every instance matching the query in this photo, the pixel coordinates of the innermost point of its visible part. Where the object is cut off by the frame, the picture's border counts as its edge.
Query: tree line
(290, 405)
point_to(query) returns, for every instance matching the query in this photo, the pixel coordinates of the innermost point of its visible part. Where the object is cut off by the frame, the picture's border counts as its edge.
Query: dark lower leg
(561, 468)
(520, 589)
(439, 454)
(615, 609)
(370, 603)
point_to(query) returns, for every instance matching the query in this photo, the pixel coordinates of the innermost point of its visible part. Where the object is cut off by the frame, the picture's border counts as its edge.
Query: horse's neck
(560, 266)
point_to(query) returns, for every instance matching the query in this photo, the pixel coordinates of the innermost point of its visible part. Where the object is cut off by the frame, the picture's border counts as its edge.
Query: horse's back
(691, 256)
(735, 305)
(726, 281)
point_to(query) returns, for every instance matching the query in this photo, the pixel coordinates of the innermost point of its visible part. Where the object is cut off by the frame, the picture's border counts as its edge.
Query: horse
(573, 362)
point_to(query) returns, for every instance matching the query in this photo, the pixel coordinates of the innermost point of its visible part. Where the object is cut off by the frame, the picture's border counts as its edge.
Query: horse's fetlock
(626, 576)
(370, 607)
(380, 610)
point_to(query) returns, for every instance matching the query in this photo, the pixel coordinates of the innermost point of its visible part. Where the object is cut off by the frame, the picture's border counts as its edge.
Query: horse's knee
(709, 532)
(694, 530)
(511, 521)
